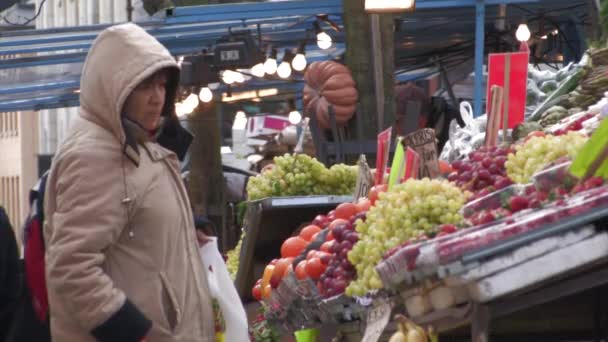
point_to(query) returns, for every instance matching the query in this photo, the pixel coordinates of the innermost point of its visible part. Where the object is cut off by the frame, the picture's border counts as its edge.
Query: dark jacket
(9, 274)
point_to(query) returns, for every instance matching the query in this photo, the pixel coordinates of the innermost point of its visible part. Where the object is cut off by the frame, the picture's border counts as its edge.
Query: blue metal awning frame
(186, 30)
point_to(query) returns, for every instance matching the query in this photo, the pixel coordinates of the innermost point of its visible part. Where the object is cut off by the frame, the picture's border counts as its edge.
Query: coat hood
(120, 58)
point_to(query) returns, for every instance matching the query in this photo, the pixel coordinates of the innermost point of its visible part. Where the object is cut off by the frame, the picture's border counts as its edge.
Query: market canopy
(40, 69)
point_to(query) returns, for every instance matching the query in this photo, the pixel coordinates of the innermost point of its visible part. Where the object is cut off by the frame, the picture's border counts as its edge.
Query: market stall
(515, 222)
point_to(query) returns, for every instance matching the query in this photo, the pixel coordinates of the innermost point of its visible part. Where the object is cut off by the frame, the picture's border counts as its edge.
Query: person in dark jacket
(9, 274)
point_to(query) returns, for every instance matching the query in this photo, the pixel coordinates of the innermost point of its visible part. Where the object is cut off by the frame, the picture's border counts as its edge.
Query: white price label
(377, 320)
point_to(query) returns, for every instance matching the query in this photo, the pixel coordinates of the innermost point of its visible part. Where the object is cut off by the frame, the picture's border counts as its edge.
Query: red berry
(518, 203)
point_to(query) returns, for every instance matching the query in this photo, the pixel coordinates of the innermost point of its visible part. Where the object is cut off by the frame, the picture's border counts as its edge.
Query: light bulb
(284, 70)
(258, 70)
(270, 66)
(205, 95)
(191, 101)
(180, 109)
(238, 77)
(323, 40)
(295, 117)
(555, 32)
(299, 62)
(188, 109)
(228, 77)
(523, 33)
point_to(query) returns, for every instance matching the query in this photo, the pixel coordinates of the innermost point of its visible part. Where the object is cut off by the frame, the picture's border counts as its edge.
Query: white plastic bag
(222, 289)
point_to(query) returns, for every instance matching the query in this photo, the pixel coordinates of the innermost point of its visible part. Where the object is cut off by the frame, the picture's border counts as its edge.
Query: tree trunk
(206, 184)
(359, 58)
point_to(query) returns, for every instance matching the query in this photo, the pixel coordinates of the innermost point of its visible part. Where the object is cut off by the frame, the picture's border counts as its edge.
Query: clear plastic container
(554, 177)
(493, 200)
(517, 224)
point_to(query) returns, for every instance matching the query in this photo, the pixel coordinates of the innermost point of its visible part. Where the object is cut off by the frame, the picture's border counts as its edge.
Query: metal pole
(480, 13)
(378, 77)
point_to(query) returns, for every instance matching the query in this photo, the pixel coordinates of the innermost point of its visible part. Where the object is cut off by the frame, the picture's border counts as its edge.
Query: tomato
(375, 191)
(363, 205)
(314, 237)
(337, 221)
(314, 268)
(534, 134)
(256, 292)
(445, 167)
(308, 232)
(301, 270)
(288, 270)
(331, 216)
(330, 237)
(293, 246)
(279, 271)
(324, 257)
(346, 210)
(326, 246)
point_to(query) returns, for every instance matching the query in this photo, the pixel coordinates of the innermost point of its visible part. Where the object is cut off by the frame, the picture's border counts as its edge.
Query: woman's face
(145, 103)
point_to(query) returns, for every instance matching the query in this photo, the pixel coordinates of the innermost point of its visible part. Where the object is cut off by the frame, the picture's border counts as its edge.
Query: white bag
(222, 289)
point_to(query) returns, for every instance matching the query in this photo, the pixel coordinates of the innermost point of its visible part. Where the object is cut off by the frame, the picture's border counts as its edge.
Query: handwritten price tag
(377, 320)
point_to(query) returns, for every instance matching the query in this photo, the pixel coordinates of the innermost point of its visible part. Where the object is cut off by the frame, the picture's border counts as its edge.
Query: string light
(299, 61)
(205, 95)
(191, 102)
(258, 70)
(324, 40)
(270, 66)
(284, 70)
(295, 117)
(523, 33)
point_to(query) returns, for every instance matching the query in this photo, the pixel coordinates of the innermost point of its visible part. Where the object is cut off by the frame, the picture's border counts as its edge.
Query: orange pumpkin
(330, 83)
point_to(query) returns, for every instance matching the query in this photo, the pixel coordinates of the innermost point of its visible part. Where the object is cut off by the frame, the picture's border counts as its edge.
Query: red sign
(517, 80)
(383, 150)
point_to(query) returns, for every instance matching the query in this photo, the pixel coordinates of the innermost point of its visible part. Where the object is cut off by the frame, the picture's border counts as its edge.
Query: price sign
(424, 143)
(377, 319)
(364, 179)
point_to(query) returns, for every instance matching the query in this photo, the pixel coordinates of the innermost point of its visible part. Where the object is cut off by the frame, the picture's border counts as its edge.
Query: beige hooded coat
(122, 258)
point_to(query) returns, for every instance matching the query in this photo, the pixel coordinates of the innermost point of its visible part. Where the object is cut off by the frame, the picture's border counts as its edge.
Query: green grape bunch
(301, 175)
(409, 210)
(232, 261)
(538, 152)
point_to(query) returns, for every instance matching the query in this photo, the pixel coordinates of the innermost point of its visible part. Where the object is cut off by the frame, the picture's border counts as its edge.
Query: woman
(122, 259)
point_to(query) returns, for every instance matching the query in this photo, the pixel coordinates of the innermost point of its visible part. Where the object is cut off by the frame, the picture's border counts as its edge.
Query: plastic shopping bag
(222, 289)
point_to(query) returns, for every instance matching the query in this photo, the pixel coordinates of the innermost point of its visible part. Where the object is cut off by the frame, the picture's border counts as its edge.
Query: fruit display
(483, 171)
(299, 175)
(533, 155)
(318, 253)
(232, 258)
(410, 209)
(424, 244)
(561, 209)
